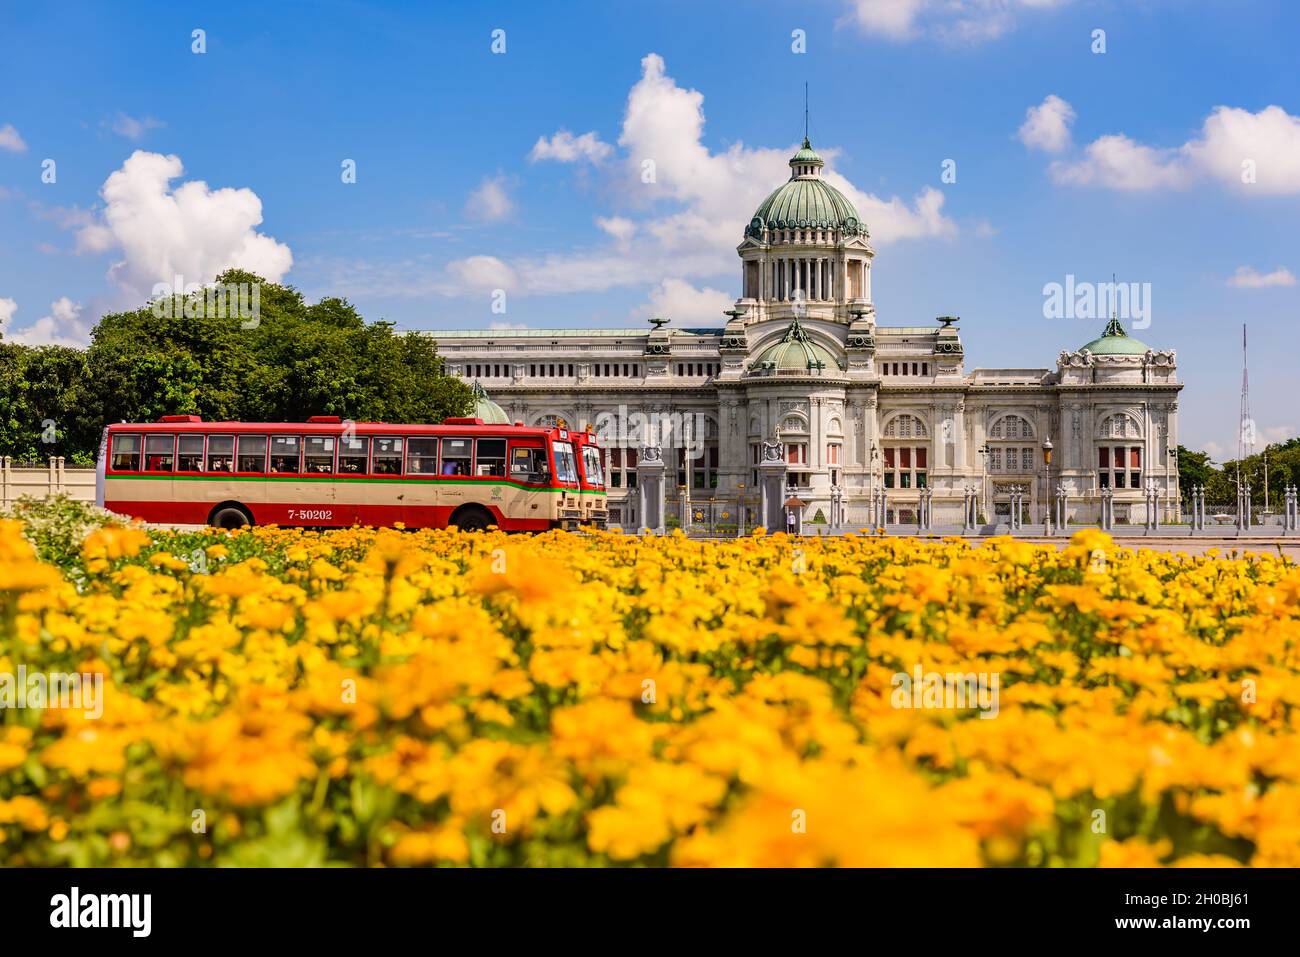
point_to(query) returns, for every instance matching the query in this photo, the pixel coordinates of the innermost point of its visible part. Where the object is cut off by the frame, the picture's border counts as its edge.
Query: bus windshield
(566, 469)
(591, 465)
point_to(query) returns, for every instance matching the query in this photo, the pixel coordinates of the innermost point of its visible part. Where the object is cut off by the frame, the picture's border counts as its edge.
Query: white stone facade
(855, 404)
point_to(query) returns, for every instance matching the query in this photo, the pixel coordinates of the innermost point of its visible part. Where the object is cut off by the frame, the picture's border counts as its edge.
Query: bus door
(317, 498)
(530, 476)
(565, 466)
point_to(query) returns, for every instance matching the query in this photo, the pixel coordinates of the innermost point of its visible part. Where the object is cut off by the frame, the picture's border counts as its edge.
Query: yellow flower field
(373, 698)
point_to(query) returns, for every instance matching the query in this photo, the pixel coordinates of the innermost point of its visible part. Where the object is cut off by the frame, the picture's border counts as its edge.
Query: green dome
(1116, 342)
(486, 409)
(806, 201)
(795, 353)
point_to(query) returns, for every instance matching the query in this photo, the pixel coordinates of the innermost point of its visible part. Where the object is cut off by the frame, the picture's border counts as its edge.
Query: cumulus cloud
(681, 302)
(619, 227)
(490, 203)
(192, 231)
(564, 147)
(693, 204)
(1121, 163)
(1257, 153)
(952, 21)
(1047, 126)
(63, 326)
(133, 128)
(10, 140)
(1246, 277)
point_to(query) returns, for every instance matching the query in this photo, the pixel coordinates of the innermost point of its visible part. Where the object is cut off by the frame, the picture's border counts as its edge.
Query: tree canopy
(190, 355)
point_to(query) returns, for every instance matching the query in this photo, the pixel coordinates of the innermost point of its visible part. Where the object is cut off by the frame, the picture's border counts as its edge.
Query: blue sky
(522, 170)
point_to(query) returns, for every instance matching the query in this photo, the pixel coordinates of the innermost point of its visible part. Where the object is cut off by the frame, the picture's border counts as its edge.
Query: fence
(42, 481)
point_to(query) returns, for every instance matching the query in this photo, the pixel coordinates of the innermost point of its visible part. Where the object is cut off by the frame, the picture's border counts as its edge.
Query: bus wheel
(471, 518)
(230, 516)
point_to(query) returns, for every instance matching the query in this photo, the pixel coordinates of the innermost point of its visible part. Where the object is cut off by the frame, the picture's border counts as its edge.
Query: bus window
(158, 452)
(565, 467)
(422, 456)
(388, 456)
(189, 453)
(528, 465)
(491, 457)
(455, 456)
(252, 454)
(221, 453)
(126, 453)
(319, 454)
(284, 454)
(352, 455)
(591, 466)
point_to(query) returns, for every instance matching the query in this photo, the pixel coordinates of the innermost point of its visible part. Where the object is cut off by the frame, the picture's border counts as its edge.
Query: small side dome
(795, 353)
(1114, 341)
(486, 409)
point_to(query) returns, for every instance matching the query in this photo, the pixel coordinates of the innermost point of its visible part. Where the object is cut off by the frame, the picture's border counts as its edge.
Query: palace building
(854, 405)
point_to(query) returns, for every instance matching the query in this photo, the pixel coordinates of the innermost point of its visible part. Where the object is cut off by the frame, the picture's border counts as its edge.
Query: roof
(806, 201)
(558, 333)
(485, 408)
(795, 352)
(1114, 341)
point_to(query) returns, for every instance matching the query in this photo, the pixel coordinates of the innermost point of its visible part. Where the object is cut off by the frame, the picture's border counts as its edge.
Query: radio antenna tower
(1246, 430)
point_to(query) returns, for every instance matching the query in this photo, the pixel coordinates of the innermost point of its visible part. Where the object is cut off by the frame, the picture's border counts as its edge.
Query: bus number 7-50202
(311, 514)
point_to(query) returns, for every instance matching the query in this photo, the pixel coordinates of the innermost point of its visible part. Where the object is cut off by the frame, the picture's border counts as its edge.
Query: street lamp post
(1047, 478)
(740, 509)
(984, 478)
(1171, 487)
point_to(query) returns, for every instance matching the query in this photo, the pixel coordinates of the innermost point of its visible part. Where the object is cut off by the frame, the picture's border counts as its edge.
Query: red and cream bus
(591, 475)
(326, 472)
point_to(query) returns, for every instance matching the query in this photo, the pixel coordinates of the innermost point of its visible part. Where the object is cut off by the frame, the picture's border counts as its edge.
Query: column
(650, 486)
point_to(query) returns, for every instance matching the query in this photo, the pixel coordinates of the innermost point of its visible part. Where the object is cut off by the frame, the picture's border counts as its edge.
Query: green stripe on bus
(435, 480)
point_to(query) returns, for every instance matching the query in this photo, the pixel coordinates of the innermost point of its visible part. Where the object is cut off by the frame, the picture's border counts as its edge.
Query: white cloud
(1121, 163)
(695, 209)
(952, 21)
(62, 327)
(191, 231)
(1047, 126)
(564, 147)
(1254, 152)
(490, 202)
(1246, 277)
(10, 140)
(620, 227)
(7, 309)
(685, 305)
(480, 273)
(132, 128)
(1274, 435)
(1269, 139)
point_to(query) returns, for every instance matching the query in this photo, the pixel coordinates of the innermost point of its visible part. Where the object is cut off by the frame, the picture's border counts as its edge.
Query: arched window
(1011, 427)
(905, 427)
(1119, 426)
(1008, 450)
(547, 421)
(906, 460)
(1119, 452)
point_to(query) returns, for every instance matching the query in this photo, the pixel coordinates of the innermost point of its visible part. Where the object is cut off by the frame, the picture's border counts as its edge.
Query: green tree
(294, 360)
(1194, 468)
